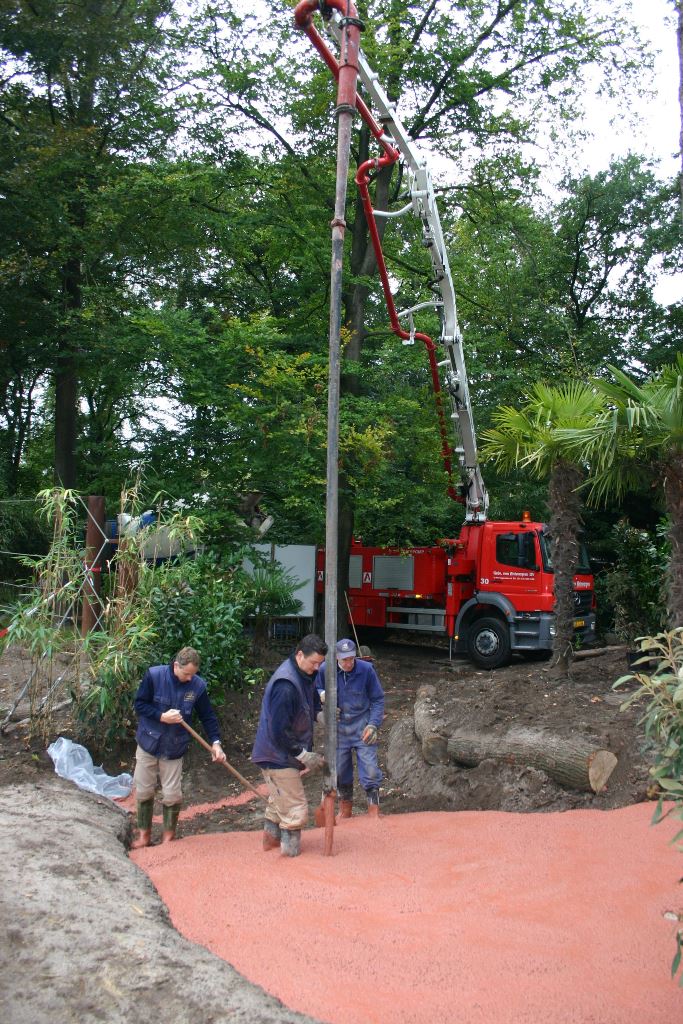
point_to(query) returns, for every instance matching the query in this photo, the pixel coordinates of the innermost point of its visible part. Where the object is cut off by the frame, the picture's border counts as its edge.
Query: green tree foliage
(639, 438)
(84, 91)
(164, 258)
(476, 75)
(558, 291)
(606, 229)
(529, 436)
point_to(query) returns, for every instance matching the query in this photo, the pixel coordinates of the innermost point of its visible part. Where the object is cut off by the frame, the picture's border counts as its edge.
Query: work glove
(171, 717)
(369, 735)
(311, 761)
(217, 752)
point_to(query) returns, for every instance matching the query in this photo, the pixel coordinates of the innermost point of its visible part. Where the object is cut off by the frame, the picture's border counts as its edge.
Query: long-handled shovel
(363, 657)
(226, 764)
(353, 624)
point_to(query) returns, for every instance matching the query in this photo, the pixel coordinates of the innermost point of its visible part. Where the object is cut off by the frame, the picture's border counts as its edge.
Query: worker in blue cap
(360, 700)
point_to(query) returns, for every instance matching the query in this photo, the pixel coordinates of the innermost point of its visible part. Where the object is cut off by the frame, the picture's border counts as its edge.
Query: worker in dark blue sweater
(284, 741)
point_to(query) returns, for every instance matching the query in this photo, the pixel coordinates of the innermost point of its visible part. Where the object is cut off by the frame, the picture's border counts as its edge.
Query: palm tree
(528, 437)
(639, 437)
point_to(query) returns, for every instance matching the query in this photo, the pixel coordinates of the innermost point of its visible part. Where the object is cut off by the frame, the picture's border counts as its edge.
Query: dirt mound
(86, 937)
(522, 699)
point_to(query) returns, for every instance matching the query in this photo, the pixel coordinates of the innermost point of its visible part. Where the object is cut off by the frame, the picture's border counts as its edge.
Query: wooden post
(126, 567)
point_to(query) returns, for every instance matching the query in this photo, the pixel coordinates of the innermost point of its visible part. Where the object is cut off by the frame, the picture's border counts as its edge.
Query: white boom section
(423, 205)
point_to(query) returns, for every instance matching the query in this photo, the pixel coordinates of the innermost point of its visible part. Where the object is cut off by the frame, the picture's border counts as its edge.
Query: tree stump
(574, 762)
(429, 728)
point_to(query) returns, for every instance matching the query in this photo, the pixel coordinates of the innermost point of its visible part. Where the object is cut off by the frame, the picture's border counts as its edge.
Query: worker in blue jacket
(360, 700)
(168, 695)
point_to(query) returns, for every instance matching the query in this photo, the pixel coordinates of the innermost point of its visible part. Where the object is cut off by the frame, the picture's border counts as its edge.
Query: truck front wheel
(488, 643)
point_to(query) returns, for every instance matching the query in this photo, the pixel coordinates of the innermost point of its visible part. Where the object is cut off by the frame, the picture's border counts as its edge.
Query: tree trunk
(673, 489)
(66, 382)
(678, 5)
(565, 522)
(16, 407)
(22, 431)
(599, 652)
(574, 762)
(362, 263)
(66, 406)
(430, 730)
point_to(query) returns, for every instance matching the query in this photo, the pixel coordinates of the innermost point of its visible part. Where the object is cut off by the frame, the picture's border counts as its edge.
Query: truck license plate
(579, 623)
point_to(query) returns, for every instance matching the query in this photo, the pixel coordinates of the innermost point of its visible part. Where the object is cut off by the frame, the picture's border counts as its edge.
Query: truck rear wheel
(488, 643)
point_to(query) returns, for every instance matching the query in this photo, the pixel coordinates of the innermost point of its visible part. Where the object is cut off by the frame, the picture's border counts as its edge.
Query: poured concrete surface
(425, 918)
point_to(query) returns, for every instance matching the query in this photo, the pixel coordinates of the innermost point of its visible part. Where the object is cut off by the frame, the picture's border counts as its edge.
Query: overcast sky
(662, 123)
(654, 132)
(657, 135)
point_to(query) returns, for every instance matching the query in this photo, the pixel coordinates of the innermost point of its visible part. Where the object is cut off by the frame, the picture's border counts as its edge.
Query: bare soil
(73, 904)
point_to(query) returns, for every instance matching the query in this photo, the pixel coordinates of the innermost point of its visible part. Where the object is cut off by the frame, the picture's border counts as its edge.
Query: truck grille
(583, 602)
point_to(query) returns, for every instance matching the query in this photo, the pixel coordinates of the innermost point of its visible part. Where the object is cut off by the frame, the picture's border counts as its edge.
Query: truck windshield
(583, 565)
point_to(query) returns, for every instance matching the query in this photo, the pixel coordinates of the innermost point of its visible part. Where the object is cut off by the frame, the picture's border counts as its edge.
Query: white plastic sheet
(73, 762)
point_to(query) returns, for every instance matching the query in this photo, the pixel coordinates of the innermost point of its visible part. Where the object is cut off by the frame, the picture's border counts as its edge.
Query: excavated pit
(477, 913)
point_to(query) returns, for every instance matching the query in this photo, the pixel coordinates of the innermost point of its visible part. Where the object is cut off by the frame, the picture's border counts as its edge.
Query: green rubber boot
(170, 822)
(144, 823)
(271, 835)
(373, 802)
(290, 842)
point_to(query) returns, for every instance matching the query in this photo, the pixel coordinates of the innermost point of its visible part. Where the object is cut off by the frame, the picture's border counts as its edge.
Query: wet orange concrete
(444, 918)
(128, 803)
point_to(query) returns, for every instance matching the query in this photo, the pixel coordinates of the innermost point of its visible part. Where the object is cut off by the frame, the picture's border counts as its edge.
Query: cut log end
(573, 761)
(601, 764)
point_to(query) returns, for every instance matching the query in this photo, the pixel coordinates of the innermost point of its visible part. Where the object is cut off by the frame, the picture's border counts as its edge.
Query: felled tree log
(429, 728)
(598, 652)
(574, 762)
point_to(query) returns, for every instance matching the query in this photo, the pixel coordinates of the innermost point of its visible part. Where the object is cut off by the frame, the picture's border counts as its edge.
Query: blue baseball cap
(346, 649)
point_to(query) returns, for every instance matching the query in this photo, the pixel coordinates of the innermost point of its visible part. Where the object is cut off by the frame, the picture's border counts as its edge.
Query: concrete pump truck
(490, 590)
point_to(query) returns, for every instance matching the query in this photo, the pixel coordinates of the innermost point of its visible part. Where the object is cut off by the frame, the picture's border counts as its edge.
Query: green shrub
(631, 595)
(23, 532)
(148, 613)
(203, 605)
(659, 674)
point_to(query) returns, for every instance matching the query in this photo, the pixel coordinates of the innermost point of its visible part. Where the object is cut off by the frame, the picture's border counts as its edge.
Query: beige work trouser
(170, 773)
(287, 804)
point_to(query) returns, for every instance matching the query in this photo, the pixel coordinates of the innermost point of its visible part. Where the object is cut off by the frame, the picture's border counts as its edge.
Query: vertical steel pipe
(332, 503)
(347, 76)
